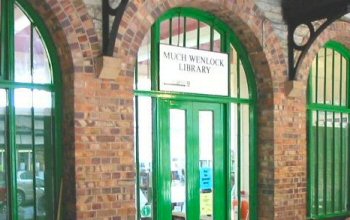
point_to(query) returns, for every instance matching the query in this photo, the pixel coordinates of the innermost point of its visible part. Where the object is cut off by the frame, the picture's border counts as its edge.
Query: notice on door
(206, 178)
(192, 71)
(206, 204)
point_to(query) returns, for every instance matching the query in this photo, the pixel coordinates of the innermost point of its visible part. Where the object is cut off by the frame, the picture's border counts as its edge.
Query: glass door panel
(209, 118)
(178, 161)
(171, 170)
(206, 163)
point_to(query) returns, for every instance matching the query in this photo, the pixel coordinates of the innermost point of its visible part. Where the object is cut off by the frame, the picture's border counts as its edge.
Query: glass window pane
(144, 64)
(34, 131)
(42, 101)
(344, 71)
(234, 72)
(24, 153)
(144, 140)
(337, 76)
(321, 76)
(43, 149)
(3, 155)
(178, 160)
(239, 84)
(22, 47)
(191, 32)
(244, 148)
(204, 37)
(240, 152)
(41, 66)
(329, 75)
(313, 75)
(216, 41)
(243, 85)
(165, 31)
(234, 161)
(206, 163)
(178, 29)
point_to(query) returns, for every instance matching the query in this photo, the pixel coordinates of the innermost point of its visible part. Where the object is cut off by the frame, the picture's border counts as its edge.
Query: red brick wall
(269, 62)
(99, 161)
(99, 170)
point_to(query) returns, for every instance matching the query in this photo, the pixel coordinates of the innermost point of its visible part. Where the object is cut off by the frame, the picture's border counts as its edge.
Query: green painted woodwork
(192, 110)
(328, 134)
(52, 123)
(162, 102)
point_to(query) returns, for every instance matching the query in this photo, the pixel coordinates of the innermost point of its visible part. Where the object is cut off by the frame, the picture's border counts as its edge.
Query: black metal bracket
(315, 16)
(110, 31)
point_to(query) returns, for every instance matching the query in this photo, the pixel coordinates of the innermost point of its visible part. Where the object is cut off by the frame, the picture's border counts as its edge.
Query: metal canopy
(306, 13)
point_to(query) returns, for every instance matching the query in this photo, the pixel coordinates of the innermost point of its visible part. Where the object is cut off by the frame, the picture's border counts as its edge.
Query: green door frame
(229, 38)
(220, 147)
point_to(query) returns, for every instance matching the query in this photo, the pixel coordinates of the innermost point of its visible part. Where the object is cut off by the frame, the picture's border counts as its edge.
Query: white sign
(194, 71)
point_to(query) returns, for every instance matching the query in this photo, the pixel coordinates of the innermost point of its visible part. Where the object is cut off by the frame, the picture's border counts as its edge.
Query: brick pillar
(290, 157)
(104, 153)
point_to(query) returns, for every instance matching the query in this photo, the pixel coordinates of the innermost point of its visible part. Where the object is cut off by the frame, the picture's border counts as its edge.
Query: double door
(190, 161)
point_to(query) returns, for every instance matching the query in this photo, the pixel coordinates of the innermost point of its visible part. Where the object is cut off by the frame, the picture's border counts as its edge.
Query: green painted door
(191, 161)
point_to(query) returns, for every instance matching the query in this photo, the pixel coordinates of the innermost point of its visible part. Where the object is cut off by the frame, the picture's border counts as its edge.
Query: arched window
(29, 116)
(328, 139)
(195, 121)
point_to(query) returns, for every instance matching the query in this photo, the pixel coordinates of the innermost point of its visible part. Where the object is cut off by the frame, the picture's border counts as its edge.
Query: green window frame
(30, 115)
(328, 133)
(240, 100)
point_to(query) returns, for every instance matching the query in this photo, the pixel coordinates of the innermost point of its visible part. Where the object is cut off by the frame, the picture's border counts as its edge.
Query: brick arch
(264, 50)
(338, 31)
(73, 32)
(74, 36)
(243, 17)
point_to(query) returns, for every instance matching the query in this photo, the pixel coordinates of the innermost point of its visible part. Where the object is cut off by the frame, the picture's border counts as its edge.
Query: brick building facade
(98, 103)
